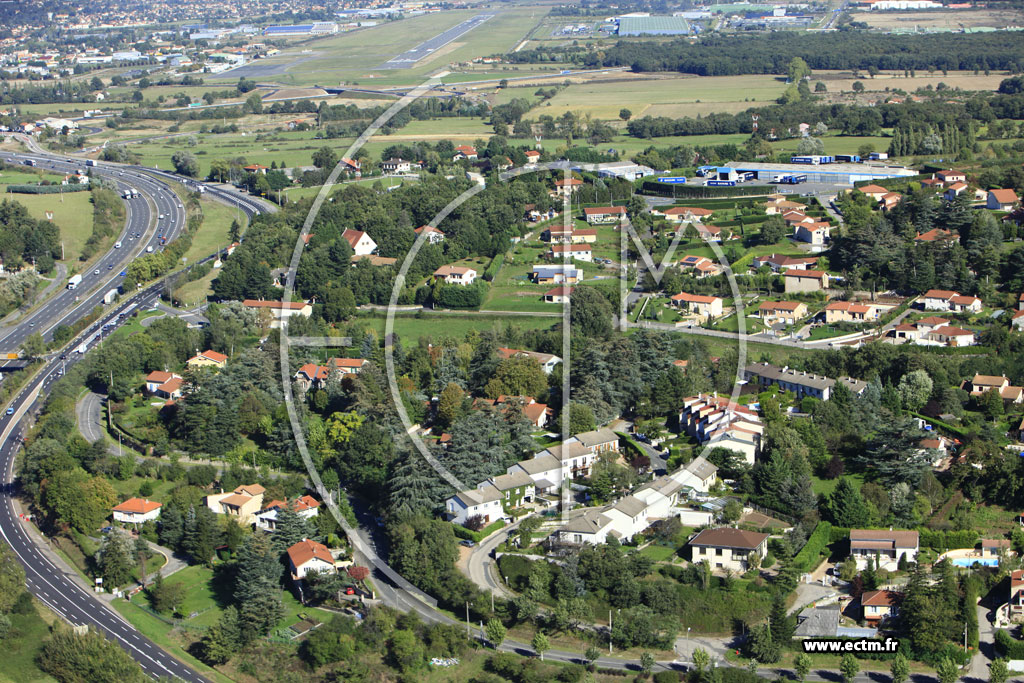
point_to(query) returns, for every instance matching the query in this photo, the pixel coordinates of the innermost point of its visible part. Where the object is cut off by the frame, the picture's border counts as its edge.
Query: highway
(63, 591)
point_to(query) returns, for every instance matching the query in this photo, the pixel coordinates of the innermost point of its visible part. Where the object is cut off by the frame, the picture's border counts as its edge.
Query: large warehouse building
(320, 28)
(836, 174)
(653, 26)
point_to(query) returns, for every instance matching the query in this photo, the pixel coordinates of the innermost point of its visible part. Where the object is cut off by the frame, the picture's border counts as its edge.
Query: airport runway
(424, 49)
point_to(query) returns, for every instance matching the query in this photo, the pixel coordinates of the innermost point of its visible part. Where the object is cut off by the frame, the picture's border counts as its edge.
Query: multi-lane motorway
(60, 591)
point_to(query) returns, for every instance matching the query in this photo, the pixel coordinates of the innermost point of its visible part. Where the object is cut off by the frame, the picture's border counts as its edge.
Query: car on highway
(10, 411)
(160, 217)
(96, 272)
(149, 250)
(110, 266)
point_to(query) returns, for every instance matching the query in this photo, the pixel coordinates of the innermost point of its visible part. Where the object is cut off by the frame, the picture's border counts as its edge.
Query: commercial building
(319, 28)
(653, 26)
(834, 174)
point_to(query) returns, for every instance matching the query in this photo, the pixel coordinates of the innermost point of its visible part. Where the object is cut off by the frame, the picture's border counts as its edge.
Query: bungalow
(886, 547)
(583, 236)
(532, 156)
(558, 234)
(699, 304)
(992, 548)
(793, 218)
(930, 323)
(464, 152)
(433, 234)
(712, 233)
(171, 389)
(876, 192)
(547, 361)
(156, 378)
(136, 511)
(361, 243)
(244, 502)
(280, 311)
(805, 280)
(566, 186)
(953, 190)
(556, 274)
(952, 176)
(1001, 200)
(578, 252)
(938, 235)
(951, 336)
(879, 605)
(455, 275)
(816, 233)
(962, 303)
(889, 200)
(484, 502)
(778, 205)
(558, 295)
(1017, 320)
(1016, 597)
(309, 556)
(604, 214)
(684, 214)
(208, 359)
(728, 548)
(982, 384)
(850, 312)
(781, 262)
(351, 166)
(907, 332)
(305, 507)
(256, 168)
(787, 312)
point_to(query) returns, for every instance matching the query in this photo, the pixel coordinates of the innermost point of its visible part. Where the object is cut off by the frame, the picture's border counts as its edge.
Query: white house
(547, 361)
(280, 311)
(545, 470)
(305, 507)
(309, 556)
(455, 275)
(361, 243)
(136, 511)
(1001, 200)
(157, 378)
(812, 233)
(433, 234)
(578, 252)
(484, 502)
(728, 548)
(886, 547)
(604, 214)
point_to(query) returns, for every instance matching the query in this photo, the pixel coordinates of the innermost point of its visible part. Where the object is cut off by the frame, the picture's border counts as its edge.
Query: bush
(45, 189)
(819, 539)
(1008, 646)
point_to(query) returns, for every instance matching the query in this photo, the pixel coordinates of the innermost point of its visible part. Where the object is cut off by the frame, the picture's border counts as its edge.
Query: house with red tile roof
(938, 235)
(244, 503)
(464, 152)
(952, 176)
(706, 307)
(797, 280)
(280, 310)
(361, 243)
(604, 214)
(558, 295)
(684, 214)
(455, 275)
(850, 311)
(879, 605)
(876, 192)
(157, 378)
(309, 556)
(787, 312)
(434, 235)
(305, 506)
(136, 511)
(208, 358)
(1001, 200)
(1016, 597)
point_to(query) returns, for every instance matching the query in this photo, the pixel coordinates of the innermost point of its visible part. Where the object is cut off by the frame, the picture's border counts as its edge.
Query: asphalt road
(424, 49)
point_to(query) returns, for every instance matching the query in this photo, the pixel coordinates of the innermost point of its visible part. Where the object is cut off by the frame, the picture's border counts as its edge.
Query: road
(47, 577)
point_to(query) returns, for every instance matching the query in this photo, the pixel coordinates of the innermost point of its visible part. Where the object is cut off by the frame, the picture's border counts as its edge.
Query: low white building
(309, 556)
(136, 511)
(361, 243)
(728, 548)
(455, 275)
(306, 507)
(484, 502)
(884, 546)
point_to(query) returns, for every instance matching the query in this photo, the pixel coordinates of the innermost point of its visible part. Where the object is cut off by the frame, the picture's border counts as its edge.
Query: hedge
(939, 423)
(1008, 646)
(938, 539)
(46, 189)
(653, 187)
(493, 267)
(477, 536)
(819, 539)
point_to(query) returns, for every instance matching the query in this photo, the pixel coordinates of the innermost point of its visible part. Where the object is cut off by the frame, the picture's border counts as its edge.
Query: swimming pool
(971, 561)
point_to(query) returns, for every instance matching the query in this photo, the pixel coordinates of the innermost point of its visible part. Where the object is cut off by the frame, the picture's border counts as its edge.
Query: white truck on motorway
(90, 162)
(74, 281)
(109, 297)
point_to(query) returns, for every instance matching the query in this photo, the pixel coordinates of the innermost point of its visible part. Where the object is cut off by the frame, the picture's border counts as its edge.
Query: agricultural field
(842, 81)
(941, 19)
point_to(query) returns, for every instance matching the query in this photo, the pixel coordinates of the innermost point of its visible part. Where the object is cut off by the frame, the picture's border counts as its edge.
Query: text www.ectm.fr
(842, 646)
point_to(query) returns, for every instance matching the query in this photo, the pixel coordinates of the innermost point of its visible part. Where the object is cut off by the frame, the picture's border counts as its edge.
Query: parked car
(467, 543)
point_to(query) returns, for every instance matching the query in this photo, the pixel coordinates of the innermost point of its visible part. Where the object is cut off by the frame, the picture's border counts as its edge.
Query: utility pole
(609, 631)
(467, 619)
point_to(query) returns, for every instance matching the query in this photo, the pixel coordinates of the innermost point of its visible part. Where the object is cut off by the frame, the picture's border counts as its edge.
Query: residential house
(558, 295)
(434, 236)
(398, 165)
(600, 441)
(208, 359)
(906, 332)
(886, 547)
(781, 262)
(850, 312)
(604, 214)
(1016, 597)
(889, 200)
(701, 266)
(516, 488)
(544, 469)
(547, 361)
(800, 383)
(566, 186)
(795, 218)
(684, 214)
(787, 312)
(728, 548)
(256, 168)
(361, 243)
(532, 157)
(171, 389)
(1001, 200)
(876, 192)
(351, 166)
(309, 556)
(280, 311)
(306, 507)
(583, 236)
(1017, 320)
(953, 191)
(699, 474)
(464, 152)
(816, 233)
(879, 605)
(949, 177)
(952, 336)
(577, 252)
(558, 234)
(313, 375)
(981, 384)
(576, 459)
(712, 233)
(136, 511)
(930, 323)
(780, 205)
(938, 235)
(556, 274)
(993, 548)
(705, 307)
(805, 280)
(485, 502)
(157, 378)
(592, 527)
(244, 502)
(455, 275)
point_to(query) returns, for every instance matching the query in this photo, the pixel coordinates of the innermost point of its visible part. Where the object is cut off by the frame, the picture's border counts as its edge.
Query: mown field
(72, 212)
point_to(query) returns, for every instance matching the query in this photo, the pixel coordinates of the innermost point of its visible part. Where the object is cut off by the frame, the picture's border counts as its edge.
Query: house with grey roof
(516, 488)
(545, 470)
(799, 382)
(600, 440)
(485, 502)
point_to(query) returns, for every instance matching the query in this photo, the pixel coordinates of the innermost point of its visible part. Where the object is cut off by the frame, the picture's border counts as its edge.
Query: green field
(72, 212)
(197, 291)
(213, 235)
(23, 644)
(410, 327)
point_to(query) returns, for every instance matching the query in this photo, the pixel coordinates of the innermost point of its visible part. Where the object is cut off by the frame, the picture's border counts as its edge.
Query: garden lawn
(410, 327)
(659, 553)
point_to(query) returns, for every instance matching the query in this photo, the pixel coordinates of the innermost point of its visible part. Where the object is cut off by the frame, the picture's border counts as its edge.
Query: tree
(802, 666)
(782, 625)
(899, 669)
(254, 103)
(325, 158)
(495, 632)
(849, 667)
(797, 70)
(540, 644)
(625, 114)
(858, 86)
(701, 660)
(590, 313)
(581, 418)
(845, 506)
(998, 671)
(591, 654)
(820, 87)
(915, 388)
(947, 671)
(773, 230)
(87, 658)
(12, 579)
(405, 651)
(810, 145)
(646, 663)
(256, 590)
(166, 597)
(517, 376)
(34, 346)
(185, 163)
